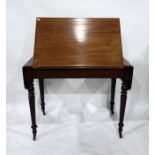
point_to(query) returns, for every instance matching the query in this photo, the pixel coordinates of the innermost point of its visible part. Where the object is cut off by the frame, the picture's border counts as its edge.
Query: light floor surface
(72, 137)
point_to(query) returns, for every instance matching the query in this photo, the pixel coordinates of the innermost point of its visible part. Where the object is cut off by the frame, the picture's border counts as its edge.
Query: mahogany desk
(77, 48)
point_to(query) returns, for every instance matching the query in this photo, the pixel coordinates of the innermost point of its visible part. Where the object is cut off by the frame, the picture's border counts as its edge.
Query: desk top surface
(78, 43)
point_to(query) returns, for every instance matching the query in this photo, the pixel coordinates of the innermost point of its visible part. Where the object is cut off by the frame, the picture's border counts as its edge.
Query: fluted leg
(32, 108)
(122, 107)
(113, 85)
(41, 86)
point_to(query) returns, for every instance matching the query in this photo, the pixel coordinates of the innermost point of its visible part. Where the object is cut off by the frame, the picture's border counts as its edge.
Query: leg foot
(43, 110)
(34, 137)
(112, 107)
(120, 129)
(120, 134)
(34, 131)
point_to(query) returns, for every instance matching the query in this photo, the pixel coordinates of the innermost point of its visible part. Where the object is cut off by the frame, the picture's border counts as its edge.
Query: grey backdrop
(76, 95)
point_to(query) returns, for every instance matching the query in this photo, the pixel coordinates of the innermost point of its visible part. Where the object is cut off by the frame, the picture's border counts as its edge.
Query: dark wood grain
(41, 88)
(31, 97)
(78, 43)
(113, 86)
(122, 107)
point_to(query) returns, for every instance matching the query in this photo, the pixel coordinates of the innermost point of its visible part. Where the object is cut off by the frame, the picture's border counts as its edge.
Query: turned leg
(122, 107)
(41, 86)
(113, 85)
(32, 108)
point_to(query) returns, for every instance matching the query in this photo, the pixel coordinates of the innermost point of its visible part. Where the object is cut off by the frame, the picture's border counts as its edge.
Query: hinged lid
(78, 43)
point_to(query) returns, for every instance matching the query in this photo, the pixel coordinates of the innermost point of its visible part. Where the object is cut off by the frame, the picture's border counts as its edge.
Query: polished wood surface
(77, 43)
